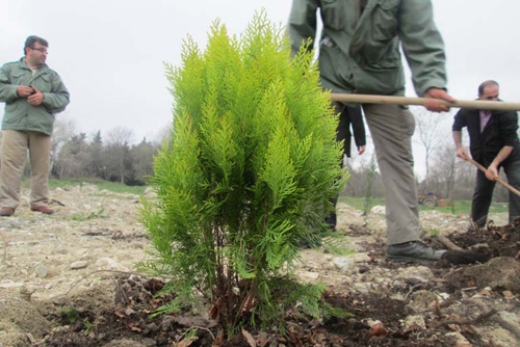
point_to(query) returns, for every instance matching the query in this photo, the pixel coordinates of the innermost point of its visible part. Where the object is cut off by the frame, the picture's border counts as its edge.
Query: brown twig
(448, 243)
(477, 320)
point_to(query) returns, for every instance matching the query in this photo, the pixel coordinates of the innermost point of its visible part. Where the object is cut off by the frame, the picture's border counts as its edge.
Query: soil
(70, 280)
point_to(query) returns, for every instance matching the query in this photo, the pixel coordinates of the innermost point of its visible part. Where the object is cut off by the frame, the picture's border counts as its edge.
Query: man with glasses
(33, 94)
(493, 144)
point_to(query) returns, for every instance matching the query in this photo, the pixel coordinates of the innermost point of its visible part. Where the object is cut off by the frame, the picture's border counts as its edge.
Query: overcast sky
(110, 53)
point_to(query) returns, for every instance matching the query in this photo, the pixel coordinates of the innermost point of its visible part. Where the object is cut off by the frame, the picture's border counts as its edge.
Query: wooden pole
(498, 179)
(402, 100)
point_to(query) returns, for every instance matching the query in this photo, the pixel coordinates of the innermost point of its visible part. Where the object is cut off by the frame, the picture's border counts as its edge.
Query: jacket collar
(23, 65)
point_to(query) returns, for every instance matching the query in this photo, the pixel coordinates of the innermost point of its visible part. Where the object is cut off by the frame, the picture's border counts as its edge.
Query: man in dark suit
(348, 115)
(493, 144)
(351, 116)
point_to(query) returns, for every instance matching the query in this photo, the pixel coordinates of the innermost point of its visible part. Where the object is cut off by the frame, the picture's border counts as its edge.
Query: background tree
(73, 156)
(117, 158)
(95, 167)
(431, 129)
(142, 158)
(64, 128)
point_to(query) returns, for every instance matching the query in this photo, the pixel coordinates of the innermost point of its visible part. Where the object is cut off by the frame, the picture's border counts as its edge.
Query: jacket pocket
(19, 78)
(333, 13)
(43, 83)
(385, 20)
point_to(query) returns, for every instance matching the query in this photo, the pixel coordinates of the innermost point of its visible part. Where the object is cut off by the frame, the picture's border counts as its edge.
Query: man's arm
(302, 24)
(507, 129)
(461, 152)
(424, 50)
(492, 171)
(8, 92)
(358, 128)
(459, 122)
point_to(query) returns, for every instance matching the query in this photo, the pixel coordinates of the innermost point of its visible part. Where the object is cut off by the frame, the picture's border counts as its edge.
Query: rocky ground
(70, 279)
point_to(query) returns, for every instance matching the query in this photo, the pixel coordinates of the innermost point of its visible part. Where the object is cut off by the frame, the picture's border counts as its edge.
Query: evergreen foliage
(249, 174)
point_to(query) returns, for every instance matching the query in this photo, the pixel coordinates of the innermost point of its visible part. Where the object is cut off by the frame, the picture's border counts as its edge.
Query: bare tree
(431, 129)
(63, 130)
(163, 134)
(120, 135)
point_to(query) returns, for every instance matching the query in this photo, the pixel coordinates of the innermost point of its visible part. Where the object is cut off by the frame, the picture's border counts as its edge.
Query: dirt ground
(70, 280)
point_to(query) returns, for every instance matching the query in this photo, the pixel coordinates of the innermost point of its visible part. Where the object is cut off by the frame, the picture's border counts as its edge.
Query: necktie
(484, 118)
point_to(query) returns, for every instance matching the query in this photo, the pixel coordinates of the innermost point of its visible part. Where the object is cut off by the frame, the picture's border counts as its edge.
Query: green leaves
(249, 173)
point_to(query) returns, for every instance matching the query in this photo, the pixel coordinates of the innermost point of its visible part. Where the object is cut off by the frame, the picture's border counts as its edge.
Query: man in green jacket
(359, 53)
(33, 94)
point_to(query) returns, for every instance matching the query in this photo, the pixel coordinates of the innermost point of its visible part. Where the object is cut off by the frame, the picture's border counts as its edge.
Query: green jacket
(359, 51)
(19, 114)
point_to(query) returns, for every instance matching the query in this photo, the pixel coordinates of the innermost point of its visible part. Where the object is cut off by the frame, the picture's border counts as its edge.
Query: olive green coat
(19, 114)
(359, 51)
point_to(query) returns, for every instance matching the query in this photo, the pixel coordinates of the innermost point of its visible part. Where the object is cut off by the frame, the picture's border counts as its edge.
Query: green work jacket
(19, 114)
(359, 50)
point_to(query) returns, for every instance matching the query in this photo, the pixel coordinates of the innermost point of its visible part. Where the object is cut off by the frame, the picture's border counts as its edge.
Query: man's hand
(37, 98)
(24, 91)
(492, 173)
(461, 153)
(361, 149)
(435, 95)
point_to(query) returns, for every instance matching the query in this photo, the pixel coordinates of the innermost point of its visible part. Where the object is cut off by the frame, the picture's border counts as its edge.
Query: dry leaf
(463, 344)
(186, 342)
(219, 339)
(262, 339)
(134, 328)
(455, 327)
(378, 330)
(249, 338)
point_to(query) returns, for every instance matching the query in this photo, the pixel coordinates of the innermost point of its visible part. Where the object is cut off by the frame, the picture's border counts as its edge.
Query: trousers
(13, 155)
(392, 128)
(483, 194)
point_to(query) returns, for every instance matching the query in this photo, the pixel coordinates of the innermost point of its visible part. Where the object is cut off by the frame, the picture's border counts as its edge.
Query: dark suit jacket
(500, 131)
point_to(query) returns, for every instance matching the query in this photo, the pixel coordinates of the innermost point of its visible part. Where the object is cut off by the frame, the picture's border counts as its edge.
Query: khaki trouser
(392, 127)
(13, 153)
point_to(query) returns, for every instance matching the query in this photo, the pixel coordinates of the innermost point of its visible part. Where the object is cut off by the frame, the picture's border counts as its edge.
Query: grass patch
(101, 184)
(85, 217)
(459, 206)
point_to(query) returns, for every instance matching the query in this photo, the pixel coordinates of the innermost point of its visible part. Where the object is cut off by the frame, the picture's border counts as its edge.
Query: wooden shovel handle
(402, 100)
(498, 179)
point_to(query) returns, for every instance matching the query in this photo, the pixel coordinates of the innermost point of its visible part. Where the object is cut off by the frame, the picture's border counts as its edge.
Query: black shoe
(413, 251)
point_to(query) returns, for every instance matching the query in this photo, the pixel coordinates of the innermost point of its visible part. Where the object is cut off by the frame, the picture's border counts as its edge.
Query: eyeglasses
(41, 50)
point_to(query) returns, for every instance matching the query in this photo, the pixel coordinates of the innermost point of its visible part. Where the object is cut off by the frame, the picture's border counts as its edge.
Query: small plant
(250, 172)
(89, 327)
(434, 233)
(70, 314)
(93, 215)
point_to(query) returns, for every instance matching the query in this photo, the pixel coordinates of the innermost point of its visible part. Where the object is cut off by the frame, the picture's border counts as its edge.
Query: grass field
(459, 206)
(101, 184)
